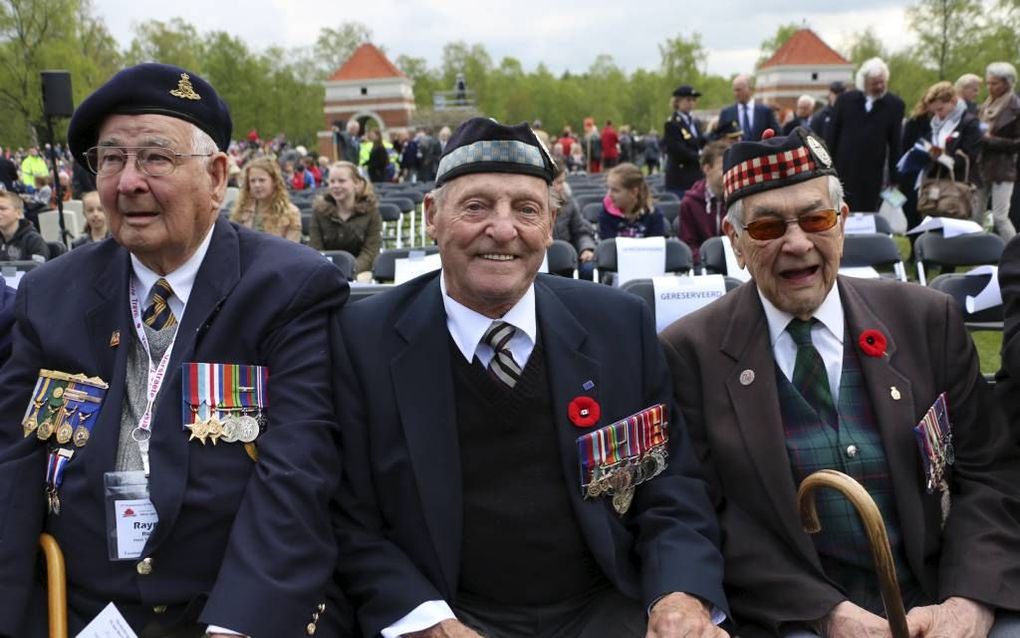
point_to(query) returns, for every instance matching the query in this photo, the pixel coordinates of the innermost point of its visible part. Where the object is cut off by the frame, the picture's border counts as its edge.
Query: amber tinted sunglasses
(817, 221)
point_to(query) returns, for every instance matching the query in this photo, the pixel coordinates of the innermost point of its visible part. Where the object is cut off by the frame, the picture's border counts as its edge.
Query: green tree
(334, 46)
(426, 80)
(943, 29)
(174, 42)
(682, 59)
(769, 46)
(864, 45)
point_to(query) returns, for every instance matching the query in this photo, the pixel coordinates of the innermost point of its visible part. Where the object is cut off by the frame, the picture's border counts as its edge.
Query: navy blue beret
(481, 145)
(774, 162)
(685, 90)
(150, 88)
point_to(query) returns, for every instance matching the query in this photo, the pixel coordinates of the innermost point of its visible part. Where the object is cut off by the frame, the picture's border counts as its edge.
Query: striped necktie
(809, 375)
(502, 366)
(158, 315)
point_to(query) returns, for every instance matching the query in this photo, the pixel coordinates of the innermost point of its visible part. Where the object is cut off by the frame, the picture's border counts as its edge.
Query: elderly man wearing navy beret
(513, 464)
(801, 370)
(167, 413)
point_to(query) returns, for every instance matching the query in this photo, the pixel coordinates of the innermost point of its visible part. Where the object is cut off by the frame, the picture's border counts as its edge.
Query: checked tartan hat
(482, 145)
(774, 162)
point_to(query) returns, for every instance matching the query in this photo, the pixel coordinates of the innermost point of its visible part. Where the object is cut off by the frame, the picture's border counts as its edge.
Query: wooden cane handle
(56, 586)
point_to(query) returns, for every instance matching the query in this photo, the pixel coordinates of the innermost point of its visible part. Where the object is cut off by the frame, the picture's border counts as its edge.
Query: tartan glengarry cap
(159, 89)
(481, 145)
(774, 162)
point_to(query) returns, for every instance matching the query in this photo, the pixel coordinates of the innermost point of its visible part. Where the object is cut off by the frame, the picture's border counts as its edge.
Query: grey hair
(966, 80)
(438, 196)
(806, 98)
(201, 142)
(871, 68)
(1004, 71)
(735, 212)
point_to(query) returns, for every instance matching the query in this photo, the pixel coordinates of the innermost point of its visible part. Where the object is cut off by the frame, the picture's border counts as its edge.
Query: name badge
(131, 517)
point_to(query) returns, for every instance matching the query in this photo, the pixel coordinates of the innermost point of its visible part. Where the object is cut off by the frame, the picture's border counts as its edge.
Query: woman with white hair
(1000, 119)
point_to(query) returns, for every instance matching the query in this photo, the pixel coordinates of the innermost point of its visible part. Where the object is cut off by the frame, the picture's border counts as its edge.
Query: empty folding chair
(932, 250)
(678, 258)
(959, 286)
(667, 196)
(670, 209)
(393, 218)
(874, 250)
(384, 268)
(584, 199)
(562, 259)
(713, 256)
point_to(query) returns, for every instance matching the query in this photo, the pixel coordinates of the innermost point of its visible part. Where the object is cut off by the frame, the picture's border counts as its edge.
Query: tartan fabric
(502, 365)
(809, 375)
(759, 170)
(490, 151)
(842, 543)
(158, 314)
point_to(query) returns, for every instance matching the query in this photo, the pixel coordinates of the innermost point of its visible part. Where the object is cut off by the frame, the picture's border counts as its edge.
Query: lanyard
(143, 430)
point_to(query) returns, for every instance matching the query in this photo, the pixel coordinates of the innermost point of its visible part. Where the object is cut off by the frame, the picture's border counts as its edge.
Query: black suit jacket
(400, 527)
(683, 148)
(239, 544)
(865, 146)
(764, 118)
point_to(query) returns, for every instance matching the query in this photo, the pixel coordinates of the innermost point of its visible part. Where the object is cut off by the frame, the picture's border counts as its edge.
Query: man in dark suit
(184, 387)
(820, 120)
(6, 320)
(752, 118)
(801, 115)
(683, 137)
(470, 398)
(864, 136)
(801, 370)
(8, 172)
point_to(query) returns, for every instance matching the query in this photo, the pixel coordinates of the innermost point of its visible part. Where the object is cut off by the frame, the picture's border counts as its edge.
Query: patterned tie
(158, 315)
(809, 376)
(502, 366)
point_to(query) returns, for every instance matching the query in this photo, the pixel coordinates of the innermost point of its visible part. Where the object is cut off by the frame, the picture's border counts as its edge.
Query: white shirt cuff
(213, 629)
(425, 615)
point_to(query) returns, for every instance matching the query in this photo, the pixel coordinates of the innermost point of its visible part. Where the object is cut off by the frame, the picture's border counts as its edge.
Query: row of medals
(240, 427)
(64, 430)
(620, 480)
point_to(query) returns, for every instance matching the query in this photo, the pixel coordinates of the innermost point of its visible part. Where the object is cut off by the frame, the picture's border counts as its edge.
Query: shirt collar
(467, 327)
(830, 314)
(181, 280)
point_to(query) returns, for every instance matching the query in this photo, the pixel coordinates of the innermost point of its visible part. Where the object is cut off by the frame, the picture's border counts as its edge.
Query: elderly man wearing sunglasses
(801, 370)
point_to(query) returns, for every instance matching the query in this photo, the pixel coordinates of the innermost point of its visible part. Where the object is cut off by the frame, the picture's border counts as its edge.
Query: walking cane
(877, 537)
(56, 586)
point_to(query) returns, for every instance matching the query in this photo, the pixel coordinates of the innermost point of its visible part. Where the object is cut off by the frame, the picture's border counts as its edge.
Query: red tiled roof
(805, 47)
(367, 63)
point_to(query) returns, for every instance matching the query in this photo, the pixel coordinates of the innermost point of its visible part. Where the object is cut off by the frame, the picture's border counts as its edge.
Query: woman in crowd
(952, 130)
(653, 151)
(917, 125)
(378, 157)
(571, 227)
(95, 220)
(628, 209)
(263, 203)
(1000, 122)
(347, 218)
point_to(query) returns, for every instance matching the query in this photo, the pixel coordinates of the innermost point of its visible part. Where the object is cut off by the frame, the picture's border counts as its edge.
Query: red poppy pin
(872, 343)
(584, 412)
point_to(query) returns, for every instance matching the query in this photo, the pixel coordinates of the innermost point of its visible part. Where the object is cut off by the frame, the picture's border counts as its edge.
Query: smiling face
(342, 185)
(492, 230)
(260, 184)
(796, 271)
(161, 220)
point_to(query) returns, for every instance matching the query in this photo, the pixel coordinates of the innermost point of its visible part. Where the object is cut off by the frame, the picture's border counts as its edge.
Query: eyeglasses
(817, 221)
(154, 161)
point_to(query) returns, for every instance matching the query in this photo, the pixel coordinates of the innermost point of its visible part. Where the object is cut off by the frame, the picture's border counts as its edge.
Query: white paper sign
(14, 278)
(733, 269)
(639, 258)
(108, 624)
(990, 296)
(950, 227)
(679, 296)
(136, 521)
(861, 272)
(414, 265)
(859, 224)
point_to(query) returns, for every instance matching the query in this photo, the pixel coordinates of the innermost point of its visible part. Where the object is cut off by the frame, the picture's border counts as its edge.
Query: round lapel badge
(819, 151)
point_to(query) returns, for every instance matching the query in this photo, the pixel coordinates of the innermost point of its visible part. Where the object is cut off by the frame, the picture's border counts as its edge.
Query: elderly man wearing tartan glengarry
(801, 370)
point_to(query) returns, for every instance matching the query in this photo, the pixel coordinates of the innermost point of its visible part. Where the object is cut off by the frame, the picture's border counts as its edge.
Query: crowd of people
(223, 444)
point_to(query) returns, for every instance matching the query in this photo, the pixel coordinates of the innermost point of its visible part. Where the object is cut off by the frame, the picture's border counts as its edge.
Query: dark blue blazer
(241, 545)
(6, 321)
(400, 525)
(764, 117)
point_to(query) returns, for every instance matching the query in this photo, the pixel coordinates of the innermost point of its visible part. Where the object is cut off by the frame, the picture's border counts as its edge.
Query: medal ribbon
(55, 467)
(629, 439)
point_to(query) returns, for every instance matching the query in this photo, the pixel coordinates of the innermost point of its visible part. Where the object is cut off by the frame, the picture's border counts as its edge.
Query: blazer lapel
(756, 407)
(892, 400)
(217, 276)
(423, 387)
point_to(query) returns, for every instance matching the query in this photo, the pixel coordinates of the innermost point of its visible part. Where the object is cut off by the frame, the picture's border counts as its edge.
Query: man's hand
(446, 629)
(586, 254)
(847, 620)
(955, 618)
(681, 615)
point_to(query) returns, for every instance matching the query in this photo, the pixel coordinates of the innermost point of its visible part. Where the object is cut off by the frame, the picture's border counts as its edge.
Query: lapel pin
(588, 385)
(115, 339)
(747, 377)
(894, 393)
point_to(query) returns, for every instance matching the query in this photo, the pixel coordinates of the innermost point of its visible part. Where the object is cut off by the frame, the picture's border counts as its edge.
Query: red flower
(872, 343)
(584, 411)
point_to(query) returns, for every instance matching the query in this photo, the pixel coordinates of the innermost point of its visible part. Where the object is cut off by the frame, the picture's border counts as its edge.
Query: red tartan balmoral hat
(773, 162)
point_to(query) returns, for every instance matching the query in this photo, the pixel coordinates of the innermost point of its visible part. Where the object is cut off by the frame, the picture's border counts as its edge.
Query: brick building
(804, 65)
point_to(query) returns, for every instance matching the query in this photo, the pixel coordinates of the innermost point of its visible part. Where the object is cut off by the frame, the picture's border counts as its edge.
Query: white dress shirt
(826, 335)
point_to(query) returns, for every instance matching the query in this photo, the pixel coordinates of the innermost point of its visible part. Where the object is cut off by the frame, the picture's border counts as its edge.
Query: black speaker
(56, 93)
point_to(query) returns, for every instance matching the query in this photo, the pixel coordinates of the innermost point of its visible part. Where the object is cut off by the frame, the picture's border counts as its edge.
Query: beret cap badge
(184, 89)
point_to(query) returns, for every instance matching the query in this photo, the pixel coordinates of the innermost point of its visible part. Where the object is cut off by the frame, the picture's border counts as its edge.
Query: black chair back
(671, 211)
(870, 249)
(713, 256)
(562, 258)
(404, 204)
(959, 286)
(678, 256)
(343, 260)
(384, 269)
(933, 250)
(389, 211)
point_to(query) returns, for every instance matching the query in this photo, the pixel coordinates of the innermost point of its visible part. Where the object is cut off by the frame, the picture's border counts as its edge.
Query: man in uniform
(683, 137)
(801, 370)
(178, 385)
(490, 487)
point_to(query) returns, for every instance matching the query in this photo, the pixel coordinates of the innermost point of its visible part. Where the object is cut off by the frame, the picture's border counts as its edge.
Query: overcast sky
(564, 34)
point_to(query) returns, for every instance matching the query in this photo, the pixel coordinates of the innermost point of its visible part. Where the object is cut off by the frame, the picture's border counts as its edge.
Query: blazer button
(851, 451)
(144, 567)
(159, 609)
(311, 629)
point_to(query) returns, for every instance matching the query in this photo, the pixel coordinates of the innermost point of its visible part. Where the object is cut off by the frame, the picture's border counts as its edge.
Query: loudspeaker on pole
(56, 93)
